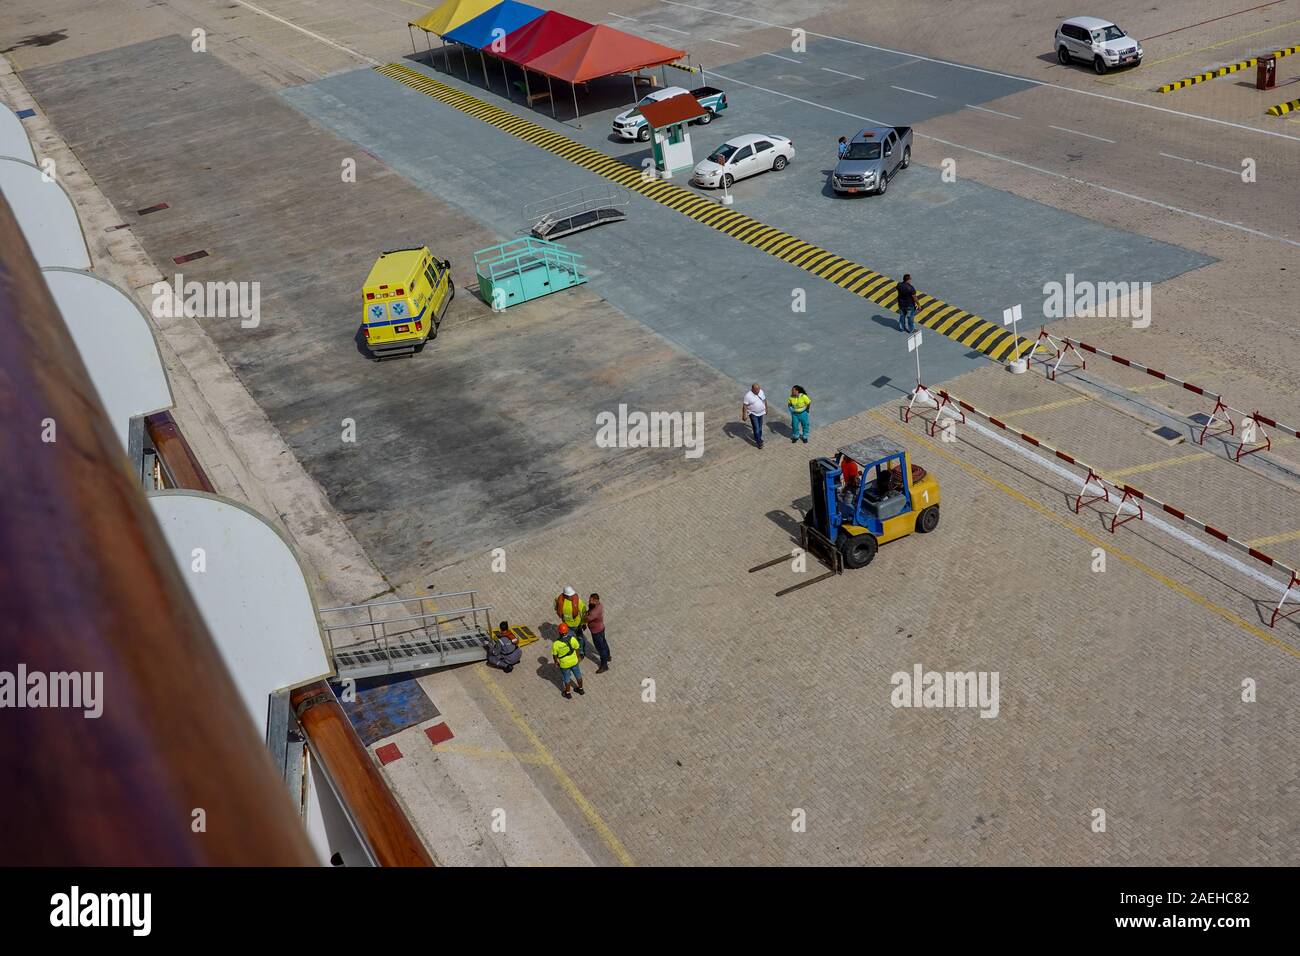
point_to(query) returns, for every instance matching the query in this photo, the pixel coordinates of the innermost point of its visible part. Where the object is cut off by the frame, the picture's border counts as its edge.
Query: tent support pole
(411, 34)
(528, 88)
(634, 97)
(663, 75)
(551, 95)
(483, 60)
(574, 87)
(505, 76)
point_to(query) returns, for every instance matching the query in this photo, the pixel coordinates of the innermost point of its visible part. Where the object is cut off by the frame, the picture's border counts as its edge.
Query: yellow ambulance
(404, 300)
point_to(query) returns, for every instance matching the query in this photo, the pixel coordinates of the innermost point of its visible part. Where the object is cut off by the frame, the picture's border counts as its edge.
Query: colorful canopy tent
(544, 34)
(491, 29)
(446, 17)
(541, 36)
(600, 51)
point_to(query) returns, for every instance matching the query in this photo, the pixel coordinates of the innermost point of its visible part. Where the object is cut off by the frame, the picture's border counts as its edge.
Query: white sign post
(1011, 317)
(920, 393)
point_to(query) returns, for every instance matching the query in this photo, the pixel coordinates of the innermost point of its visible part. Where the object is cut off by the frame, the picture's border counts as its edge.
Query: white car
(1098, 42)
(743, 156)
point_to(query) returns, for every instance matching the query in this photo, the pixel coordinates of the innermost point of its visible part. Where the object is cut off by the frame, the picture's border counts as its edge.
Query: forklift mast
(822, 473)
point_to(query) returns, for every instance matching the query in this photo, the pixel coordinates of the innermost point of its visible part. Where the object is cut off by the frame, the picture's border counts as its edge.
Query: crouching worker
(564, 650)
(503, 649)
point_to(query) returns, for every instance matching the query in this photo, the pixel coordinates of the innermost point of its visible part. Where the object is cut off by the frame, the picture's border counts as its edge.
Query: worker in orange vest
(572, 612)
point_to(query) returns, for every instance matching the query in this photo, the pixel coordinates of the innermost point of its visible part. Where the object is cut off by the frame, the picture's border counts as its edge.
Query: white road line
(723, 42)
(917, 92)
(621, 17)
(1197, 162)
(658, 26)
(1007, 76)
(786, 58)
(852, 76)
(1077, 133)
(1015, 162)
(985, 109)
(315, 36)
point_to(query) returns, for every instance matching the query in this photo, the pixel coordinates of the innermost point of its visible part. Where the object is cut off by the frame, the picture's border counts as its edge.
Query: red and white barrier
(1253, 437)
(1127, 498)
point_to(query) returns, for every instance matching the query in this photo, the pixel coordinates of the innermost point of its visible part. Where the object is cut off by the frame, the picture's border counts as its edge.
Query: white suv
(1098, 42)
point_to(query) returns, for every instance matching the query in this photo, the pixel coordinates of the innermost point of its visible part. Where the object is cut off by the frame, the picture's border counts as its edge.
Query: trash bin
(1266, 72)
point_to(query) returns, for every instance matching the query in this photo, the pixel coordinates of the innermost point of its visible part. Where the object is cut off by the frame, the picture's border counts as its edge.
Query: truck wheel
(643, 134)
(1063, 56)
(780, 163)
(928, 519)
(707, 118)
(907, 157)
(884, 184)
(859, 549)
(1099, 65)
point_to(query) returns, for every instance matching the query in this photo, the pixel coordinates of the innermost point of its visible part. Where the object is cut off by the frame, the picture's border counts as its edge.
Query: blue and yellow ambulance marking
(970, 330)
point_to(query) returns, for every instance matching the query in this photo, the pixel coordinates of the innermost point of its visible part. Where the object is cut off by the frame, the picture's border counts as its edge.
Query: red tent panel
(542, 35)
(601, 51)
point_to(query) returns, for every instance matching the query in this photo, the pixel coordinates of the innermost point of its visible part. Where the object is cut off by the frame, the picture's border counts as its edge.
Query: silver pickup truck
(873, 157)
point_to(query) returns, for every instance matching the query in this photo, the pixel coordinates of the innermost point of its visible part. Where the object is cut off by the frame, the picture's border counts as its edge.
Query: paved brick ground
(1118, 690)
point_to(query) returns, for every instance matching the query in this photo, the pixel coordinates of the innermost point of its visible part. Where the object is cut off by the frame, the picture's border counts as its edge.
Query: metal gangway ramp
(575, 210)
(399, 635)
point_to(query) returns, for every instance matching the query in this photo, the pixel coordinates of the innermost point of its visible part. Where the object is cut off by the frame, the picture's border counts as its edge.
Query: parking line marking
(1162, 463)
(658, 26)
(621, 17)
(1274, 539)
(315, 36)
(1077, 133)
(787, 59)
(985, 109)
(1045, 84)
(917, 92)
(566, 782)
(723, 42)
(848, 275)
(852, 76)
(1108, 546)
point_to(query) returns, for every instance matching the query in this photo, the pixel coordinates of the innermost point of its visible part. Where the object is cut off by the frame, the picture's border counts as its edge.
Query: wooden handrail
(378, 816)
(173, 770)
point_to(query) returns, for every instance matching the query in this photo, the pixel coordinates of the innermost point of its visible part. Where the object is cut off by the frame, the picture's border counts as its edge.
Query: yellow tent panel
(448, 16)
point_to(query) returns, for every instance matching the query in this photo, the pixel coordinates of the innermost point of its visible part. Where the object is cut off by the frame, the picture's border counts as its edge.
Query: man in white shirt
(754, 405)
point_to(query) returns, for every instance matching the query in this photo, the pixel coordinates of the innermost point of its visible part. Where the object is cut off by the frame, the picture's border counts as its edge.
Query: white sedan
(743, 156)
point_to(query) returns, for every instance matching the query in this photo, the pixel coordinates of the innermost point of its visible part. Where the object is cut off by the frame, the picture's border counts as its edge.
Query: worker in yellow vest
(564, 650)
(572, 612)
(798, 403)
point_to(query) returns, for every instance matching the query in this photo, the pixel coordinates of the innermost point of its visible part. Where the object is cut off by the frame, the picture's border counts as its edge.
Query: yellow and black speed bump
(970, 330)
(1223, 71)
(1283, 108)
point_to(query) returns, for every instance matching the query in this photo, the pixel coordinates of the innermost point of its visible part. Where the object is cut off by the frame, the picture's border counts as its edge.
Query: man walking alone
(906, 304)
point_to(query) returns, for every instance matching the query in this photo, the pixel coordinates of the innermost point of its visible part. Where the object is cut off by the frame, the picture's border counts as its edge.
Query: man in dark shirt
(906, 304)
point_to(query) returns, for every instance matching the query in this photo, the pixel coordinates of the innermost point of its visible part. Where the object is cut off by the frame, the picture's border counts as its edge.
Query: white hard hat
(569, 592)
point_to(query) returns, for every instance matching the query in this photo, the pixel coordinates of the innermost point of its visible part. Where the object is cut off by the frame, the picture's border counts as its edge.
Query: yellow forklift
(867, 495)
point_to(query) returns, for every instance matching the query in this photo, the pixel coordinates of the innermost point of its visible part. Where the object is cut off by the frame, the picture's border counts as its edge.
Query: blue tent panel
(494, 24)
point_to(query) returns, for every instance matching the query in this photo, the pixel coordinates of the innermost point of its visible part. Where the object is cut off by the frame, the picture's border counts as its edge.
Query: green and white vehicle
(630, 124)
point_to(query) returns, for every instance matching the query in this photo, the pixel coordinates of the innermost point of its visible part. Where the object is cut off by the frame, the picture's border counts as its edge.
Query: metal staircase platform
(577, 209)
(401, 635)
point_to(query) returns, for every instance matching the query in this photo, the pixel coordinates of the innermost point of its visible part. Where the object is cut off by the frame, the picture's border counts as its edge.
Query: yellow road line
(1215, 46)
(1274, 539)
(1162, 463)
(970, 330)
(1225, 70)
(1079, 400)
(565, 782)
(1107, 546)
